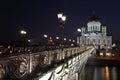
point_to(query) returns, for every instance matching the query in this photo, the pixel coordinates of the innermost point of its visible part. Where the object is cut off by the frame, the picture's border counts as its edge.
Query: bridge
(54, 64)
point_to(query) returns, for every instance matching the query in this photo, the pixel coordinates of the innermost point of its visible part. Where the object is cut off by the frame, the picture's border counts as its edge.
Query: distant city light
(114, 45)
(29, 40)
(85, 34)
(0, 52)
(101, 54)
(57, 37)
(65, 39)
(73, 40)
(45, 35)
(70, 40)
(108, 54)
(72, 44)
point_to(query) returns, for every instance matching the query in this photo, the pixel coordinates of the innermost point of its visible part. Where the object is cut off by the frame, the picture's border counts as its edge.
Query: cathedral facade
(94, 33)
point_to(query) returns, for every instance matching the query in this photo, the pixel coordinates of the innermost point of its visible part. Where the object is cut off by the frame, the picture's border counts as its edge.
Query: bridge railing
(69, 66)
(29, 64)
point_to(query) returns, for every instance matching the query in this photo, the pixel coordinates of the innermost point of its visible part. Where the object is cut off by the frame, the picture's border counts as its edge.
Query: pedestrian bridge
(57, 64)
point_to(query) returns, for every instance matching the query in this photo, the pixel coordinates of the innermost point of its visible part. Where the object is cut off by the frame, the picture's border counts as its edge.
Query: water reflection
(101, 73)
(107, 72)
(113, 71)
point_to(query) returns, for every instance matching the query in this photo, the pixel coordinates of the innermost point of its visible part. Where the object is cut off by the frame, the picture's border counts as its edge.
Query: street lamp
(57, 38)
(23, 33)
(29, 40)
(70, 40)
(65, 39)
(61, 20)
(78, 34)
(79, 30)
(45, 36)
(46, 40)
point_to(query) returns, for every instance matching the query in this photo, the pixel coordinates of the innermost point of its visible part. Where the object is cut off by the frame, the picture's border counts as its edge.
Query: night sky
(39, 17)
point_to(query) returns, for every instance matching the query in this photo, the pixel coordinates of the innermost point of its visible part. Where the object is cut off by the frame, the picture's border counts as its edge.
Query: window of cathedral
(108, 41)
(93, 27)
(96, 28)
(99, 41)
(93, 40)
(83, 41)
(103, 41)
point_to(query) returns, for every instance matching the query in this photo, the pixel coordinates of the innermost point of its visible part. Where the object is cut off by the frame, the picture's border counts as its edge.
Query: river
(101, 73)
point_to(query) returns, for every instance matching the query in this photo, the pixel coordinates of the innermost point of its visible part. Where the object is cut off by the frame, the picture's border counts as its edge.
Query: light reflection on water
(107, 72)
(101, 73)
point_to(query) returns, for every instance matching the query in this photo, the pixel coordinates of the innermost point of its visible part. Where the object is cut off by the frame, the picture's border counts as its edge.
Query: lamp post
(65, 39)
(46, 40)
(57, 41)
(79, 34)
(45, 36)
(70, 42)
(23, 33)
(29, 41)
(61, 20)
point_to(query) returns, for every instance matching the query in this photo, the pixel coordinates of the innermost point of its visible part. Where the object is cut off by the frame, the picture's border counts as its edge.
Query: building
(94, 33)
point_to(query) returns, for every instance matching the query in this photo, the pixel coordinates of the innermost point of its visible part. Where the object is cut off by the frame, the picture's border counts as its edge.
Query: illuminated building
(94, 33)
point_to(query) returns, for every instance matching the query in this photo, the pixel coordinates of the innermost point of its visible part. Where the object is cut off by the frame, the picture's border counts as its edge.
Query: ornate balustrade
(29, 65)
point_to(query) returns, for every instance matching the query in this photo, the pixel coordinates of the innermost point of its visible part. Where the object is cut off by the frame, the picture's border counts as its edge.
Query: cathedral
(94, 33)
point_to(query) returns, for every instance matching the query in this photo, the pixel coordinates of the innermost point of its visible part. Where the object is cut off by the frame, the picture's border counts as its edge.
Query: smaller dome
(104, 26)
(94, 18)
(83, 26)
